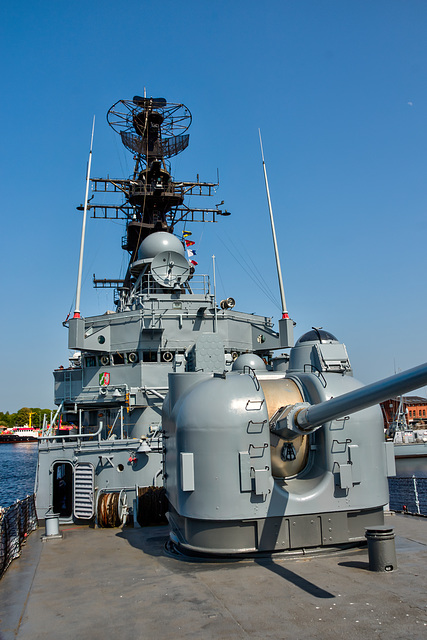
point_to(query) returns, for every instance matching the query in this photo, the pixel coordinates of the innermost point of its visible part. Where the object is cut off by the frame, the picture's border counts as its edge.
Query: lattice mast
(154, 131)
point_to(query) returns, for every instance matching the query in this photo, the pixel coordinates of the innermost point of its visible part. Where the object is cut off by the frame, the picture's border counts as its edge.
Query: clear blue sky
(339, 91)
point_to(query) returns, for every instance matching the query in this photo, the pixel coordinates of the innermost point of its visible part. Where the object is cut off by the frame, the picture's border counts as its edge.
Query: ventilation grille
(83, 491)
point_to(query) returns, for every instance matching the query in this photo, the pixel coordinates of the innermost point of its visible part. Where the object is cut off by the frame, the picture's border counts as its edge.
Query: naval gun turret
(262, 461)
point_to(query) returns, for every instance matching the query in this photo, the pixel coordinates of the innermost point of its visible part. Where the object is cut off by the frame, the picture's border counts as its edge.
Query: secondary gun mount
(244, 474)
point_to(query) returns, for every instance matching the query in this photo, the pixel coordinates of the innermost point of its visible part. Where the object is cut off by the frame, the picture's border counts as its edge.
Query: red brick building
(414, 409)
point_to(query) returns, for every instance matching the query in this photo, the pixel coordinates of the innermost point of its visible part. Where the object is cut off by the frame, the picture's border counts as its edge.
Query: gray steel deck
(108, 583)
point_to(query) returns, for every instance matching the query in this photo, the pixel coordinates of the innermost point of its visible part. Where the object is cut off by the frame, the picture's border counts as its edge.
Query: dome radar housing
(319, 350)
(157, 243)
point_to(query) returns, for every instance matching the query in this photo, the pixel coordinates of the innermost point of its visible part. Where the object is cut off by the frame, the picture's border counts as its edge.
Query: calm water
(17, 471)
(408, 467)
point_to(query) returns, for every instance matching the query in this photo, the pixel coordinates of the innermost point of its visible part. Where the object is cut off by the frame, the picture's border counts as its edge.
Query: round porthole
(120, 467)
(101, 339)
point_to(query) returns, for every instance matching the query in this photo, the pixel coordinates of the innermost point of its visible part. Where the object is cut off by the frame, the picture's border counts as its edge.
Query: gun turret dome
(159, 242)
(317, 335)
(249, 360)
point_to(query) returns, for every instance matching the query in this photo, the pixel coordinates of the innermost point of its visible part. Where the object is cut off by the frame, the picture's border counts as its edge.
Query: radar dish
(170, 146)
(175, 118)
(132, 142)
(169, 268)
(173, 146)
(154, 102)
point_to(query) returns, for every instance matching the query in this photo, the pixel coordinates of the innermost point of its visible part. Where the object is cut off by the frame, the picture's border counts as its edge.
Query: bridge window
(118, 358)
(149, 356)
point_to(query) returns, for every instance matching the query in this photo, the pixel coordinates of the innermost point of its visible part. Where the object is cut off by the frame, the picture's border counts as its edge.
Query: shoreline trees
(22, 417)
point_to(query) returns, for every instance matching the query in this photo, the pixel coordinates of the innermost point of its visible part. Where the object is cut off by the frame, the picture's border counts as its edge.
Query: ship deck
(106, 583)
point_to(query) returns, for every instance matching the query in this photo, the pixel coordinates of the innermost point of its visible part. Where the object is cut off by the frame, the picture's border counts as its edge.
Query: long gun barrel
(303, 418)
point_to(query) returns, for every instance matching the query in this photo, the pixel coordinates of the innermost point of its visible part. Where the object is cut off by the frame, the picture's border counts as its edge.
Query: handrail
(74, 435)
(52, 422)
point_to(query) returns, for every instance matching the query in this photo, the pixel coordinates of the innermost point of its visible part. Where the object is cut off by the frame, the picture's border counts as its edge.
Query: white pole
(214, 284)
(273, 231)
(82, 239)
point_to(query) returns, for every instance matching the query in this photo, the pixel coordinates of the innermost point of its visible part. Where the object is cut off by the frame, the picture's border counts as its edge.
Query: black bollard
(381, 548)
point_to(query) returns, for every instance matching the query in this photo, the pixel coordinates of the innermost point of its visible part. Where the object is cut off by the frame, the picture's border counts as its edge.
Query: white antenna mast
(82, 239)
(214, 285)
(285, 324)
(273, 231)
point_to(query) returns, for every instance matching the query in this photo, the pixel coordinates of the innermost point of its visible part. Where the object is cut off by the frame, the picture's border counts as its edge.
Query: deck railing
(408, 495)
(16, 523)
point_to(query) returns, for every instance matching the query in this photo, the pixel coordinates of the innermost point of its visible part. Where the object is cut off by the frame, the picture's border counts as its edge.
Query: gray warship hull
(411, 459)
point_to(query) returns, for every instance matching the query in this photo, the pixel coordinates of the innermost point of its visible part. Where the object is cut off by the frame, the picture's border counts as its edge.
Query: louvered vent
(83, 490)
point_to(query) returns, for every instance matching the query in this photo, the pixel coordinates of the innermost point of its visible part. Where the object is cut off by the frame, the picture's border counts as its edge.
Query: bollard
(52, 524)
(381, 548)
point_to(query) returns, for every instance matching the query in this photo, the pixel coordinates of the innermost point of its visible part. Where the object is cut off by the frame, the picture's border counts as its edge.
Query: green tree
(22, 416)
(5, 419)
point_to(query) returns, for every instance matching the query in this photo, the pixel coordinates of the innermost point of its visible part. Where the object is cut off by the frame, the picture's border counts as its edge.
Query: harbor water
(18, 463)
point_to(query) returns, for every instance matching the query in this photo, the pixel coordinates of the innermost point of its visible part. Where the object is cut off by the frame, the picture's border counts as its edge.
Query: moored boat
(25, 433)
(410, 452)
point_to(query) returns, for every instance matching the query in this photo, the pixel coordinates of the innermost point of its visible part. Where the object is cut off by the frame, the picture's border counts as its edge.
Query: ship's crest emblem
(104, 379)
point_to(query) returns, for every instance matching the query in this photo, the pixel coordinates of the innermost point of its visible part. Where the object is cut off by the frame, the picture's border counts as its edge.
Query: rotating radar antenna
(151, 127)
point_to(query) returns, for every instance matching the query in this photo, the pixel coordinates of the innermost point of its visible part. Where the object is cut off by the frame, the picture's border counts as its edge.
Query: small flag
(190, 252)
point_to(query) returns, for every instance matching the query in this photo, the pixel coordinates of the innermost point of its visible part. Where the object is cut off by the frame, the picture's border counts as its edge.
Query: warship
(182, 407)
(216, 478)
(410, 440)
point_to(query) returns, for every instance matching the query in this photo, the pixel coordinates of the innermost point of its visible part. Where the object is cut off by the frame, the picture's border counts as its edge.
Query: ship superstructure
(166, 320)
